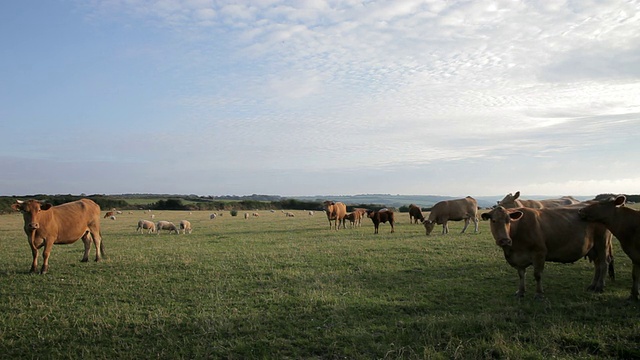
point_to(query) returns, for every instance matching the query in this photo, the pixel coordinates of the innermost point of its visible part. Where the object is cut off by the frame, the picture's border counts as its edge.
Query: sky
(311, 97)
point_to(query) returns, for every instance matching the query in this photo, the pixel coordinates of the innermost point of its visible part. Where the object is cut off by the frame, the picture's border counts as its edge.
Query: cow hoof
(84, 260)
(519, 294)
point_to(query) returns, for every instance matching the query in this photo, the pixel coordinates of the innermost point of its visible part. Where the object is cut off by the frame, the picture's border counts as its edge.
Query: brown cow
(336, 211)
(381, 216)
(514, 201)
(415, 214)
(452, 210)
(532, 236)
(108, 214)
(624, 223)
(353, 218)
(46, 225)
(361, 214)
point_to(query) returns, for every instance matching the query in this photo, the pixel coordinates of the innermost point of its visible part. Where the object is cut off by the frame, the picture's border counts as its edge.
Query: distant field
(289, 288)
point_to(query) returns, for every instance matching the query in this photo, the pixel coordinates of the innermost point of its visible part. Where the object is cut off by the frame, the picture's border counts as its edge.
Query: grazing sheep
(166, 225)
(185, 226)
(146, 224)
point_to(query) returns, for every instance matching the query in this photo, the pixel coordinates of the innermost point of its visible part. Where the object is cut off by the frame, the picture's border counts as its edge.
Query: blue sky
(313, 97)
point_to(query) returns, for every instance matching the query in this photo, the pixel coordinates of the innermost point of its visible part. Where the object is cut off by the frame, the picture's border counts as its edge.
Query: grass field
(274, 287)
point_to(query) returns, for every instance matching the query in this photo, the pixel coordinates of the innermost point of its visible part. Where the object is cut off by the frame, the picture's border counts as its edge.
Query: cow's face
(501, 220)
(31, 211)
(429, 225)
(601, 210)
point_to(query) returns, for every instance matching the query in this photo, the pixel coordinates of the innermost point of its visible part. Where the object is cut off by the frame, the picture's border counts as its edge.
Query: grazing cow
(415, 214)
(108, 214)
(185, 226)
(46, 225)
(452, 210)
(514, 201)
(144, 225)
(336, 212)
(624, 223)
(381, 216)
(166, 225)
(532, 236)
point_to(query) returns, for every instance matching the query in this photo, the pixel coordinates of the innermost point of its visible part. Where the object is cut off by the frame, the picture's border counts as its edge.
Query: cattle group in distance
(529, 232)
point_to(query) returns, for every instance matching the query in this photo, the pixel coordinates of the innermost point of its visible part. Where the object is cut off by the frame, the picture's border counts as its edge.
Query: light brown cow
(185, 225)
(166, 225)
(452, 210)
(624, 223)
(533, 236)
(362, 213)
(46, 225)
(415, 214)
(144, 225)
(353, 218)
(108, 214)
(513, 201)
(336, 212)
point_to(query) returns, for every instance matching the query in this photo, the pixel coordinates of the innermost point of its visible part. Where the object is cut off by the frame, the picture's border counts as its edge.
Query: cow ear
(16, 206)
(516, 215)
(517, 195)
(619, 201)
(45, 206)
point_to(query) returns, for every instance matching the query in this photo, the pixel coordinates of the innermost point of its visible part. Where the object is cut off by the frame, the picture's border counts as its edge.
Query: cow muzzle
(504, 242)
(34, 226)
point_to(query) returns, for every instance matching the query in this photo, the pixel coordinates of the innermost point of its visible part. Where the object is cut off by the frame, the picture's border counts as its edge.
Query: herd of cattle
(529, 232)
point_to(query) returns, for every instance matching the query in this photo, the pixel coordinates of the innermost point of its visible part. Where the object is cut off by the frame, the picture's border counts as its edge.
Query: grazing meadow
(277, 287)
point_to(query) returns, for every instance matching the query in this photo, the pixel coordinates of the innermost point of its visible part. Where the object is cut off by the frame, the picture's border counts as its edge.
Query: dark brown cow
(452, 210)
(46, 225)
(353, 218)
(624, 223)
(514, 201)
(336, 212)
(381, 216)
(415, 214)
(533, 236)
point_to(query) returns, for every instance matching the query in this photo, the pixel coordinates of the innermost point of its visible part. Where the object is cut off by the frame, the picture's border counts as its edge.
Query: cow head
(510, 200)
(601, 210)
(428, 225)
(501, 220)
(31, 211)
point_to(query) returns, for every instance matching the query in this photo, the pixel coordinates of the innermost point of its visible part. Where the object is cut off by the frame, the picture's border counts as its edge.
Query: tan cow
(452, 210)
(513, 201)
(533, 236)
(353, 218)
(144, 225)
(46, 225)
(362, 213)
(185, 225)
(415, 214)
(336, 212)
(166, 225)
(624, 223)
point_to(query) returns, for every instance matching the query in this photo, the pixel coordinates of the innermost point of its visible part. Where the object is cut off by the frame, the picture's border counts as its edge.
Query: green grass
(289, 288)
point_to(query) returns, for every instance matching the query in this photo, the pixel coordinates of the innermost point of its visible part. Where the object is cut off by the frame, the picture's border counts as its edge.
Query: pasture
(276, 287)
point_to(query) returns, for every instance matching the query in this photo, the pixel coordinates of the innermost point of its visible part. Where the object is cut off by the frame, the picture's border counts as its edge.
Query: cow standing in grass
(624, 223)
(415, 214)
(452, 210)
(533, 236)
(336, 211)
(381, 216)
(46, 225)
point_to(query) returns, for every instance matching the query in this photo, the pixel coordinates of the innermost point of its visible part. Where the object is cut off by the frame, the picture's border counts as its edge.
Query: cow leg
(538, 268)
(45, 255)
(635, 276)
(445, 228)
(392, 229)
(521, 286)
(475, 222)
(34, 263)
(466, 224)
(97, 242)
(86, 240)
